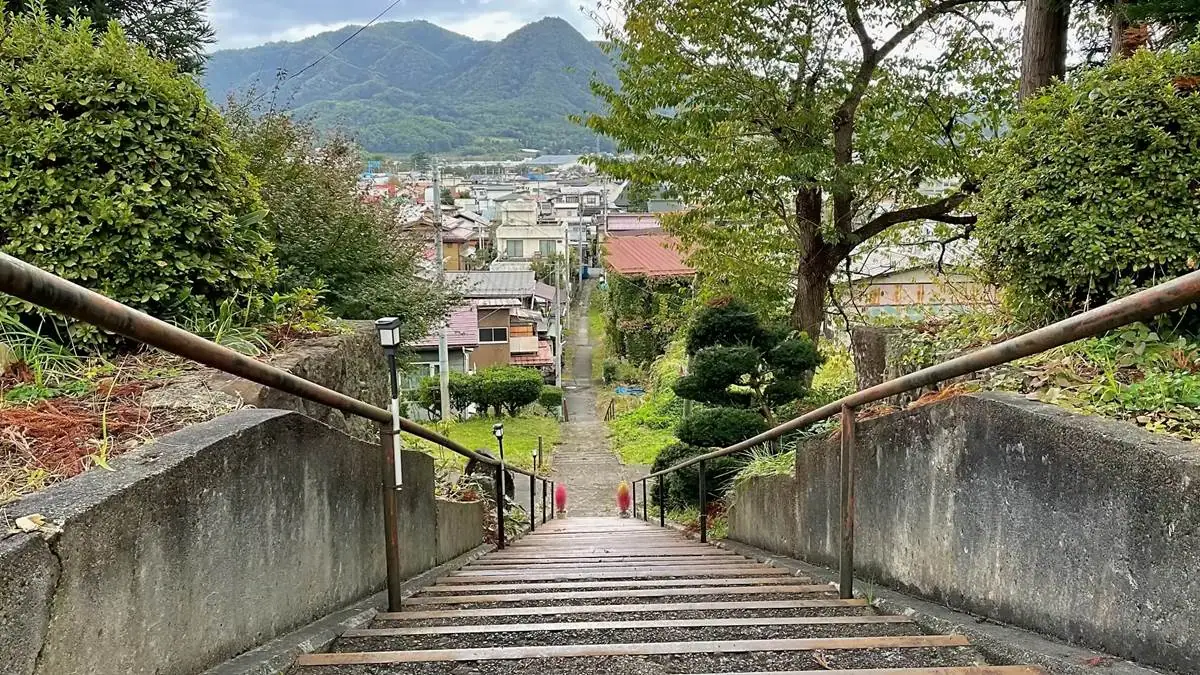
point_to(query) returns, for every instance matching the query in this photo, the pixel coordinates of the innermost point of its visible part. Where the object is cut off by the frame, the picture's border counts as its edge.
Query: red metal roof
(652, 255)
(543, 357)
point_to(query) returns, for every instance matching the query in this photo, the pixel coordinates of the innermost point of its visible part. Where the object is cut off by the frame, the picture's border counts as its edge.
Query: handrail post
(645, 501)
(391, 517)
(662, 501)
(553, 508)
(634, 487)
(544, 481)
(532, 507)
(703, 507)
(846, 471)
(499, 506)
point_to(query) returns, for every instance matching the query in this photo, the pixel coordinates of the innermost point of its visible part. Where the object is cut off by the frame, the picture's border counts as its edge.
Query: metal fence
(1165, 297)
(39, 287)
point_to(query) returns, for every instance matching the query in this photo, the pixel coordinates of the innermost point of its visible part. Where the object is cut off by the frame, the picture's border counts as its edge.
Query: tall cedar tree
(173, 30)
(799, 130)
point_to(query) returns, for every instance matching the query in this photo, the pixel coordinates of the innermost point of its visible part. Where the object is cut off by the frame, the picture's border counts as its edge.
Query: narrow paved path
(602, 596)
(585, 461)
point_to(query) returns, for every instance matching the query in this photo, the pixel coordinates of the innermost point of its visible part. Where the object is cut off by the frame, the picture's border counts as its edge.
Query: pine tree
(173, 30)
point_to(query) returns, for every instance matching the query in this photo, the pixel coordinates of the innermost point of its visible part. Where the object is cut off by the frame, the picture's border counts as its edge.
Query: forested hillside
(412, 86)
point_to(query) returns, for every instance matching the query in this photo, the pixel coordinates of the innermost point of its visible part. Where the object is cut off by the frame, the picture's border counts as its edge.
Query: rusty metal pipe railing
(39, 287)
(1165, 297)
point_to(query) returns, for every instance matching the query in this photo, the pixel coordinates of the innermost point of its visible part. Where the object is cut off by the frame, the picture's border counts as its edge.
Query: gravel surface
(596, 637)
(628, 616)
(677, 663)
(672, 599)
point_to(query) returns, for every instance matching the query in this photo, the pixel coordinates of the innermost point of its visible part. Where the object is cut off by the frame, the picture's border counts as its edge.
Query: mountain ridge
(409, 86)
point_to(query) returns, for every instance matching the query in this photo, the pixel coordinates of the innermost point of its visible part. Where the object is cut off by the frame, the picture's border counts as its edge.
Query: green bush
(464, 390)
(611, 367)
(1092, 193)
(325, 233)
(116, 173)
(509, 388)
(683, 486)
(720, 427)
(551, 397)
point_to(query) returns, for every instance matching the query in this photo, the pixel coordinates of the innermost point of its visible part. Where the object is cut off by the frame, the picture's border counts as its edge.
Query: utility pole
(558, 347)
(443, 351)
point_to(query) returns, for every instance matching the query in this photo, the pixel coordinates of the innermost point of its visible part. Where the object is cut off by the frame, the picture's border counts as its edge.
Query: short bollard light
(389, 338)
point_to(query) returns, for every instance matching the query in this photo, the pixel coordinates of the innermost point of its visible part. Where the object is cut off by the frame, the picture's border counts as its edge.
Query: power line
(329, 53)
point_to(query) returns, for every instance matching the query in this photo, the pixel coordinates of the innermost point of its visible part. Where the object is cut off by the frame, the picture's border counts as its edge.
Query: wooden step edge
(650, 607)
(617, 583)
(630, 649)
(627, 625)
(931, 670)
(619, 593)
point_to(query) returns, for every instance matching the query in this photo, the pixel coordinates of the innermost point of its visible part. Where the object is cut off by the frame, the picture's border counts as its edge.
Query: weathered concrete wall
(1078, 527)
(351, 363)
(765, 516)
(202, 545)
(459, 528)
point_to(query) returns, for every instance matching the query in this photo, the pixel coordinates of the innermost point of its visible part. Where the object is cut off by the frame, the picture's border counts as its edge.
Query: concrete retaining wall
(1077, 527)
(205, 544)
(459, 528)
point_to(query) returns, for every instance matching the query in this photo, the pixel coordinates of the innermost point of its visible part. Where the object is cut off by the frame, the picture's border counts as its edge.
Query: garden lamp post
(389, 338)
(498, 431)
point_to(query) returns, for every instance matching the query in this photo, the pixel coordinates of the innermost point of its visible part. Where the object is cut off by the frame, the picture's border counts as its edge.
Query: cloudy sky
(245, 23)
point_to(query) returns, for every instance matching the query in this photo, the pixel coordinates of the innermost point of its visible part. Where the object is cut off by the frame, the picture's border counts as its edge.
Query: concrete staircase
(606, 596)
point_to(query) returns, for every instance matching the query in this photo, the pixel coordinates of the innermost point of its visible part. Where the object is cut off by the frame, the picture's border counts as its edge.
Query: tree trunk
(1043, 44)
(812, 268)
(1117, 25)
(812, 287)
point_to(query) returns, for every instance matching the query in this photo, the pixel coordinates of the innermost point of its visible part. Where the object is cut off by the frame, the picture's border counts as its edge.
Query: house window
(547, 247)
(493, 335)
(513, 248)
(591, 200)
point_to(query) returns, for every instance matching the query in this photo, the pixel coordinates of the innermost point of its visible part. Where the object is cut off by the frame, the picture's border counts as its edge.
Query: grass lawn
(596, 333)
(638, 444)
(520, 438)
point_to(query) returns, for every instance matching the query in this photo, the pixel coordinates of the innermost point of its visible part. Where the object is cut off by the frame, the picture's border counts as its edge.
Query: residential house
(917, 292)
(511, 317)
(464, 235)
(627, 224)
(462, 339)
(650, 255)
(528, 243)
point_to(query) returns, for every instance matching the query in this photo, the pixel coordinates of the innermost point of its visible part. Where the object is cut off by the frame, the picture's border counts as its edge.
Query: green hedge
(116, 173)
(1093, 191)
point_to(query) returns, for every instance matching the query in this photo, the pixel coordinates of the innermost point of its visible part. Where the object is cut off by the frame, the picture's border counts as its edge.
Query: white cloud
(485, 26)
(229, 39)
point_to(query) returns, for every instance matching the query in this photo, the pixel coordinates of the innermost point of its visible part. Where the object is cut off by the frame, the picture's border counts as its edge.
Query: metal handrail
(1165, 297)
(37, 286)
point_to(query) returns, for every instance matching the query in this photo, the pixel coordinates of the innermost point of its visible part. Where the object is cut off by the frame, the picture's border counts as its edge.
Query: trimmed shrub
(116, 173)
(683, 486)
(551, 397)
(725, 322)
(463, 392)
(1092, 193)
(720, 427)
(510, 388)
